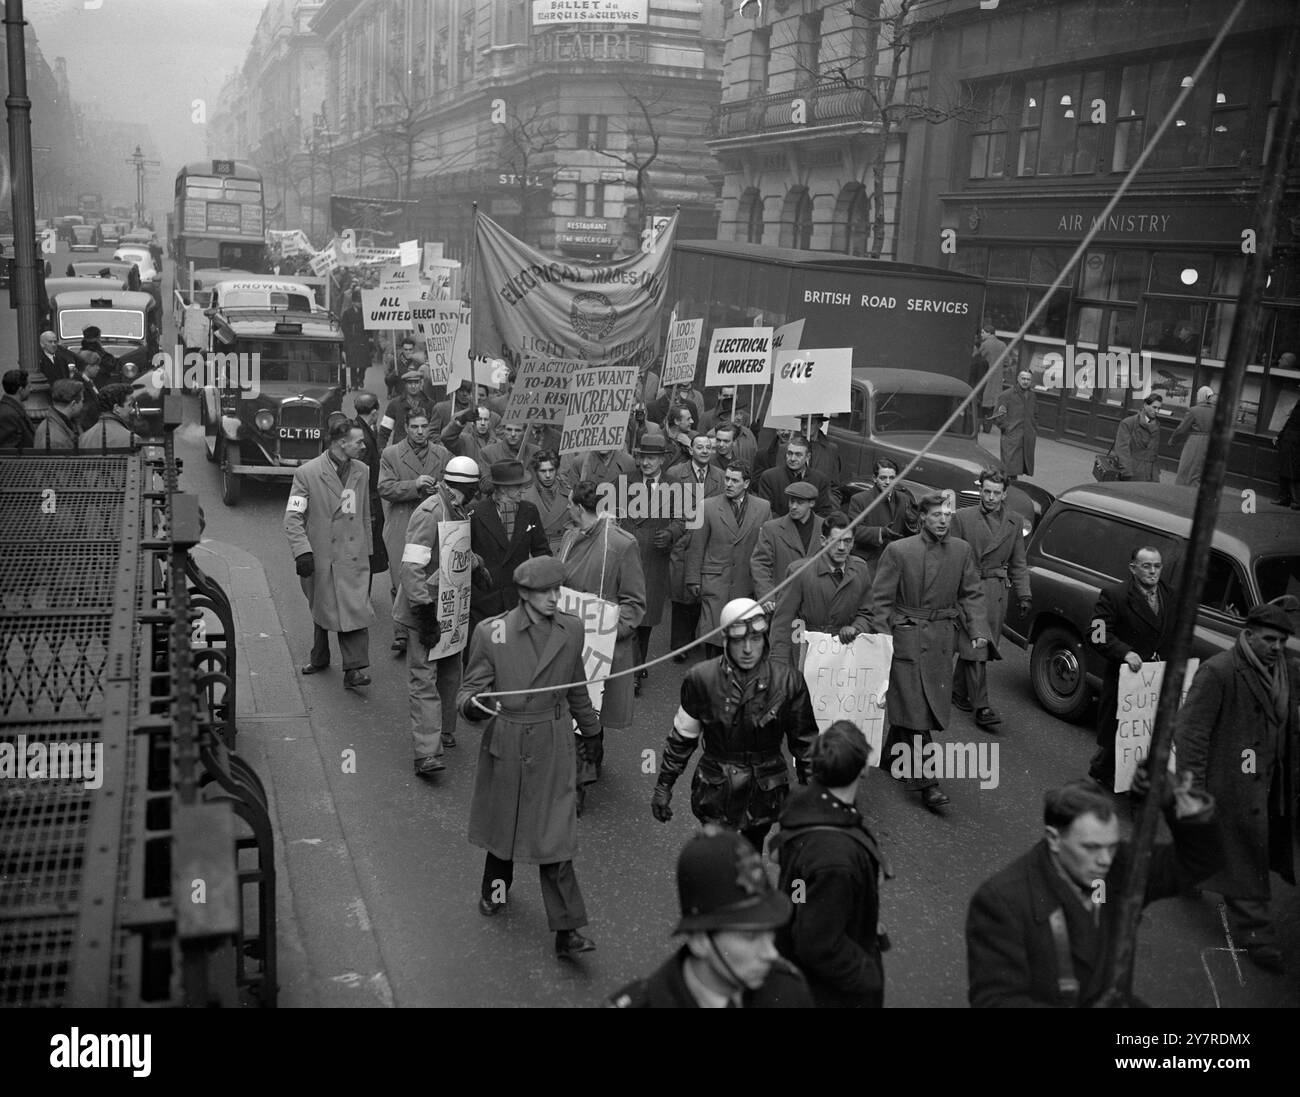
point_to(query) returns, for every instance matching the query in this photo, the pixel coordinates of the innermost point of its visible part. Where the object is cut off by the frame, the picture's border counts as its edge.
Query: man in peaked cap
(392, 427)
(525, 799)
(730, 915)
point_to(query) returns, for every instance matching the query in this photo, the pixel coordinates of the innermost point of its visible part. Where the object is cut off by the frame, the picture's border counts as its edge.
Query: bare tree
(527, 135)
(402, 140)
(279, 159)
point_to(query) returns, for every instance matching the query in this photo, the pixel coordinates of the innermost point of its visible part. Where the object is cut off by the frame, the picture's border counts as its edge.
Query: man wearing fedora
(505, 530)
(524, 806)
(730, 915)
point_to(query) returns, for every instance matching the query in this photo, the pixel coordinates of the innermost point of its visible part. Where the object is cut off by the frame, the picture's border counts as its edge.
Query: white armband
(686, 725)
(385, 423)
(416, 554)
(297, 505)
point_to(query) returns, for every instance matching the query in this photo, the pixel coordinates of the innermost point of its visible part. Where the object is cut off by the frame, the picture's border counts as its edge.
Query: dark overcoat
(16, 428)
(643, 524)
(501, 554)
(1011, 955)
(371, 455)
(999, 544)
(1288, 448)
(1124, 622)
(713, 485)
(524, 806)
(718, 556)
(333, 523)
(1016, 420)
(1223, 724)
(925, 590)
(892, 520)
(822, 604)
(780, 545)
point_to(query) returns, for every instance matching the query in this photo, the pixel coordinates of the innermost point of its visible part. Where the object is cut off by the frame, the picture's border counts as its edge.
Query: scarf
(508, 508)
(1274, 680)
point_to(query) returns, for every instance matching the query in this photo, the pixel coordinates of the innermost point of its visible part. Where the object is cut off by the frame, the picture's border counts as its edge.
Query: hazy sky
(147, 60)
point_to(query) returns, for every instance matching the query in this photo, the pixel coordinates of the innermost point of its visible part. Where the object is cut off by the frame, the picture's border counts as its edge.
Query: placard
(812, 382)
(849, 682)
(541, 391)
(739, 356)
(1135, 711)
(600, 401)
(600, 627)
(386, 310)
(681, 353)
(455, 561)
(446, 333)
(408, 253)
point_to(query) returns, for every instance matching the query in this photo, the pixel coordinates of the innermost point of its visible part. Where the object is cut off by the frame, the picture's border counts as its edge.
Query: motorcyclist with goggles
(741, 703)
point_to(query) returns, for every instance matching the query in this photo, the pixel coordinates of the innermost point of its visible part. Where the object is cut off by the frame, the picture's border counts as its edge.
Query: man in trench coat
(926, 589)
(327, 521)
(996, 535)
(1016, 419)
(1238, 733)
(717, 560)
(703, 481)
(1137, 441)
(524, 806)
(783, 541)
(408, 474)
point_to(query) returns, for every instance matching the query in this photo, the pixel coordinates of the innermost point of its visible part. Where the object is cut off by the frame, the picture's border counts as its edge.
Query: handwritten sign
(682, 350)
(455, 562)
(811, 382)
(386, 310)
(849, 682)
(541, 391)
(600, 621)
(1135, 711)
(739, 356)
(600, 401)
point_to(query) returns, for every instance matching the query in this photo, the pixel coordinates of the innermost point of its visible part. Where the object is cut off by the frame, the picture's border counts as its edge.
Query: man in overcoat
(1132, 624)
(717, 559)
(392, 427)
(894, 517)
(16, 428)
(656, 517)
(366, 405)
(698, 481)
(1039, 932)
(408, 474)
(786, 540)
(1238, 733)
(1137, 441)
(1016, 420)
(524, 806)
(505, 530)
(771, 485)
(60, 429)
(997, 536)
(927, 588)
(1288, 450)
(549, 493)
(833, 595)
(327, 521)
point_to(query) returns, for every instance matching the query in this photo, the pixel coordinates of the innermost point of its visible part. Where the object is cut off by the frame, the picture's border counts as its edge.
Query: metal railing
(825, 104)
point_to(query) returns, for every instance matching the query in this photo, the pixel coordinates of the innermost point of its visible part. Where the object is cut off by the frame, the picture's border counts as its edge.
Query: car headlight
(264, 420)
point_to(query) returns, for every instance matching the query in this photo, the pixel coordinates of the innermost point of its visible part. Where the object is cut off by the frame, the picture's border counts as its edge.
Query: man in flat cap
(1238, 733)
(730, 915)
(782, 541)
(525, 799)
(392, 427)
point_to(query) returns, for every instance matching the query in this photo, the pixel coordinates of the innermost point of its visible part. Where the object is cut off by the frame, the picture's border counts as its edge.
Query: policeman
(742, 703)
(730, 914)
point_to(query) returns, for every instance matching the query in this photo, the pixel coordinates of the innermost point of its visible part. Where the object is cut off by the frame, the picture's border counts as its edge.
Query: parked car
(128, 322)
(84, 238)
(150, 272)
(895, 412)
(109, 234)
(1084, 543)
(125, 273)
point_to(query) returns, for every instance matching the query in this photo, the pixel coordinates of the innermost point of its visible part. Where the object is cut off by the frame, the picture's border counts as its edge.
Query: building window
(808, 49)
(796, 219)
(516, 21)
(593, 131)
(760, 55)
(591, 200)
(851, 228)
(988, 149)
(751, 215)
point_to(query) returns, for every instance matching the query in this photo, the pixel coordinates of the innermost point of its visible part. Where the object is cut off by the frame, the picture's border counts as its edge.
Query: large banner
(600, 620)
(1139, 697)
(541, 391)
(849, 681)
(377, 218)
(601, 399)
(605, 314)
(455, 562)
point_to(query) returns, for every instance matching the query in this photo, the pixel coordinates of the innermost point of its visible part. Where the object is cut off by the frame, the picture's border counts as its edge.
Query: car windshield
(924, 412)
(261, 299)
(294, 360)
(112, 323)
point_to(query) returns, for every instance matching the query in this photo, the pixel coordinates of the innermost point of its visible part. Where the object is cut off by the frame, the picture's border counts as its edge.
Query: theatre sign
(549, 13)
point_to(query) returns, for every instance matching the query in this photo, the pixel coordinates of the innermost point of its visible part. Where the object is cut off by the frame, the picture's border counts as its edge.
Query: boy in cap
(730, 914)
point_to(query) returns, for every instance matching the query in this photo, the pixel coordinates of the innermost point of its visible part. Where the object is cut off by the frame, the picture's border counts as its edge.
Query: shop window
(1218, 329)
(1010, 264)
(1051, 321)
(1005, 306)
(1181, 272)
(971, 260)
(1113, 275)
(1046, 263)
(1284, 279)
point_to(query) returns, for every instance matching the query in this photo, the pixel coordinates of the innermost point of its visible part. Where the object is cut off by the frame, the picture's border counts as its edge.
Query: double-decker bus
(219, 218)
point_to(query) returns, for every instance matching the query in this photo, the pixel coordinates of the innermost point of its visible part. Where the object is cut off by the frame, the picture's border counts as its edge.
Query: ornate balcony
(825, 105)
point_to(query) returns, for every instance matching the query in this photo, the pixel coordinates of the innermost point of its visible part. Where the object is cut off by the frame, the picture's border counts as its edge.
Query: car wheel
(230, 483)
(1057, 670)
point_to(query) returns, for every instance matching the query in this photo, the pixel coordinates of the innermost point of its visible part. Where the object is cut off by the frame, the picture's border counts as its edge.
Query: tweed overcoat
(719, 553)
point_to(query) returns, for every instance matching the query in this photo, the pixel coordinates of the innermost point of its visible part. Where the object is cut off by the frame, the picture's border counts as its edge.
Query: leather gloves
(429, 627)
(467, 416)
(659, 803)
(591, 749)
(305, 565)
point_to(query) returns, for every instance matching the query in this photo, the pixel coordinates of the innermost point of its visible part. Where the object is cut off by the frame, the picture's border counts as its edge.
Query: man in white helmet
(416, 607)
(741, 703)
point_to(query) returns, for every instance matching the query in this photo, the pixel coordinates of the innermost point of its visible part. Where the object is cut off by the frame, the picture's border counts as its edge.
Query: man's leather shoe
(934, 797)
(312, 668)
(427, 767)
(1267, 958)
(987, 718)
(355, 678)
(961, 703)
(569, 943)
(448, 739)
(487, 908)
